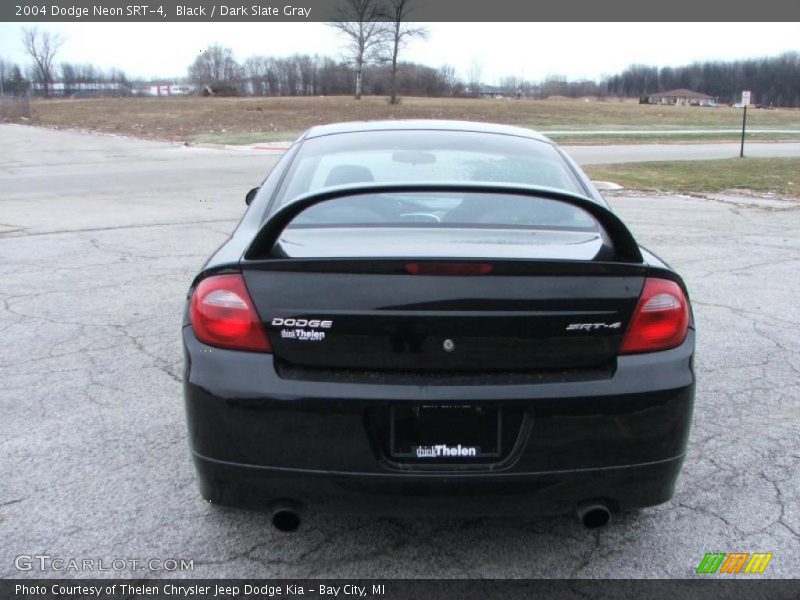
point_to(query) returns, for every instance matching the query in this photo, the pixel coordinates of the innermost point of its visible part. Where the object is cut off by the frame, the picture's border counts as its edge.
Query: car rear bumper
(477, 494)
(257, 438)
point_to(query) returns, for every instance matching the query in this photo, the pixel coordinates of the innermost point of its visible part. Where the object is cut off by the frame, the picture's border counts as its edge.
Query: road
(588, 154)
(100, 238)
(593, 155)
(660, 132)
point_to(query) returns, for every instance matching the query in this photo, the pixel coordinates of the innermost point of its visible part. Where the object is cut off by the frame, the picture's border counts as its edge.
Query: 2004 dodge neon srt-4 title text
(144, 10)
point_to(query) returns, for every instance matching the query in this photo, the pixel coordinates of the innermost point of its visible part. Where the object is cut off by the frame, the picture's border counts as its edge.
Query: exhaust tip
(285, 515)
(594, 515)
(285, 520)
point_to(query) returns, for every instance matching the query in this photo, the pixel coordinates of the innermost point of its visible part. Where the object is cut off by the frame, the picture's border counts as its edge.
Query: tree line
(773, 80)
(70, 78)
(43, 71)
(216, 71)
(374, 32)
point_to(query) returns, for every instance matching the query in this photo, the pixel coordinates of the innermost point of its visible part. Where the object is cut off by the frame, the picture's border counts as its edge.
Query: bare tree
(512, 86)
(69, 77)
(42, 47)
(363, 24)
(449, 77)
(474, 77)
(289, 74)
(4, 68)
(400, 33)
(216, 67)
(309, 69)
(257, 68)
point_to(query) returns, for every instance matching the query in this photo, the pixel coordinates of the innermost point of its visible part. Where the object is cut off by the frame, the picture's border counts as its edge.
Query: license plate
(445, 432)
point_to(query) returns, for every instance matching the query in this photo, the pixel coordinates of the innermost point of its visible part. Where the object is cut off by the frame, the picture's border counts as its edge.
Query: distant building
(164, 89)
(491, 91)
(680, 97)
(97, 88)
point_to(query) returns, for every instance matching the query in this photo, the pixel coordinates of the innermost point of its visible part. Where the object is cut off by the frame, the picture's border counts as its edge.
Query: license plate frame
(463, 432)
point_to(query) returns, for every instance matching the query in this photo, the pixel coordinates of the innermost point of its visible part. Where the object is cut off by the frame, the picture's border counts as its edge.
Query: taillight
(661, 318)
(223, 315)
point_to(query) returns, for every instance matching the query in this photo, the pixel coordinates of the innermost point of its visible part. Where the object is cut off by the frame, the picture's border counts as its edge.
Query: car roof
(423, 125)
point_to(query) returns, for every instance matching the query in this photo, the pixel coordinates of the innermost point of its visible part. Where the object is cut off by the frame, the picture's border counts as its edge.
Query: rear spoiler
(626, 248)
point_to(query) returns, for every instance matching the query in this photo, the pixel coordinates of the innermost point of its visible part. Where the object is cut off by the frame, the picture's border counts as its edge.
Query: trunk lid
(373, 315)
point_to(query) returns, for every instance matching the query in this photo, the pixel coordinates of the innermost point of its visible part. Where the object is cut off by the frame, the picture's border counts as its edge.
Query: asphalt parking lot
(99, 239)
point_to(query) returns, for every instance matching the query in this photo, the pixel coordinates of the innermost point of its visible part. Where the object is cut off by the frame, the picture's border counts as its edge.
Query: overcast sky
(531, 50)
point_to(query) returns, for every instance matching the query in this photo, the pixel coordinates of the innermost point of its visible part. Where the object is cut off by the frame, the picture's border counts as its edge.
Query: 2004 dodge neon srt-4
(434, 316)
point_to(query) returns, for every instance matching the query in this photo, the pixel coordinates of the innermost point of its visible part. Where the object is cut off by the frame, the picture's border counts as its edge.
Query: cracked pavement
(99, 239)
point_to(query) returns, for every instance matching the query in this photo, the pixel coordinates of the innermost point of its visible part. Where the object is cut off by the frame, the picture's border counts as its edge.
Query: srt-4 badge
(592, 326)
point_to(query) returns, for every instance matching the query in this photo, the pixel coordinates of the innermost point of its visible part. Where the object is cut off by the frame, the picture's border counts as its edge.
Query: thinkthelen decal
(445, 451)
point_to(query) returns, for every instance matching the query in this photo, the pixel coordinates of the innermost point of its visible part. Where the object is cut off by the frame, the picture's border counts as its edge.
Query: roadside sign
(745, 104)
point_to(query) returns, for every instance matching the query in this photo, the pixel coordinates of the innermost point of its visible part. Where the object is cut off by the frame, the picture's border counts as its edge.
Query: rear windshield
(424, 156)
(471, 210)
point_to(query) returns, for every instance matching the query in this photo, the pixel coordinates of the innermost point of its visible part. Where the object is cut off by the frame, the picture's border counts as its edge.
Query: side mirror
(250, 195)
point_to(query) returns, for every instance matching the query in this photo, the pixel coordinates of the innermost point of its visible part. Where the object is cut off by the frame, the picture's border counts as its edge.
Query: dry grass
(243, 120)
(775, 175)
(14, 108)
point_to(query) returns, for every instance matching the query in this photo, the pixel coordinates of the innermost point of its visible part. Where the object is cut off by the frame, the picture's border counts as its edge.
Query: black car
(435, 317)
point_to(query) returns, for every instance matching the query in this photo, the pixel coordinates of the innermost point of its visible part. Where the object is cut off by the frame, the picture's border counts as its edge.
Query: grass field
(250, 120)
(776, 175)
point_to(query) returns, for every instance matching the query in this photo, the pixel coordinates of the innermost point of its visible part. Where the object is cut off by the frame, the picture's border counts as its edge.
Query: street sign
(745, 104)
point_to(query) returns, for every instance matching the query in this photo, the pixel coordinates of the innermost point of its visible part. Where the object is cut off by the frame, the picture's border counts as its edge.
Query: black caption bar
(424, 10)
(706, 588)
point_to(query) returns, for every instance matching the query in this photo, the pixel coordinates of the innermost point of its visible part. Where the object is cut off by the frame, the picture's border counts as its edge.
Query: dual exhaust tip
(286, 515)
(593, 515)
